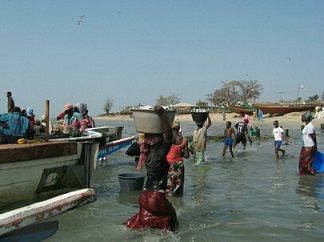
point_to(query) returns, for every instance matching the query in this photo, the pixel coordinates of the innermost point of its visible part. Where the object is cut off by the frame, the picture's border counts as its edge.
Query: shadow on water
(32, 233)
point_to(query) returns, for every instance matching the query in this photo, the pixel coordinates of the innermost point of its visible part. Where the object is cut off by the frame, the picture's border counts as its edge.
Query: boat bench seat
(33, 151)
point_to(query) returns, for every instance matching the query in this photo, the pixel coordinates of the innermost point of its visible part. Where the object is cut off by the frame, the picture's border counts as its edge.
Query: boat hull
(37, 171)
(241, 110)
(113, 146)
(24, 216)
(274, 109)
(284, 109)
(111, 140)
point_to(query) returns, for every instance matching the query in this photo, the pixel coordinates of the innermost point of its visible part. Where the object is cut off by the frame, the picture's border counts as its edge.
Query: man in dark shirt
(11, 102)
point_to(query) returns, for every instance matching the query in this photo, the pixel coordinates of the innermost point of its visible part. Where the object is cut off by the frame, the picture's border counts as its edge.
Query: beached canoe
(241, 110)
(280, 109)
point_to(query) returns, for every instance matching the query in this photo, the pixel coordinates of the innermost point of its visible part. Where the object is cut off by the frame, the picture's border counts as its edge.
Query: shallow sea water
(252, 197)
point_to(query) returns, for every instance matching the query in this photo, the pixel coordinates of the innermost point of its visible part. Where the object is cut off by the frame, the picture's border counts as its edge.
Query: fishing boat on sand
(241, 110)
(273, 109)
(283, 108)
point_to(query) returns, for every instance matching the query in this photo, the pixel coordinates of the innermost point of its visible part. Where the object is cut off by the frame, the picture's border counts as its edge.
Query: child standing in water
(279, 136)
(228, 142)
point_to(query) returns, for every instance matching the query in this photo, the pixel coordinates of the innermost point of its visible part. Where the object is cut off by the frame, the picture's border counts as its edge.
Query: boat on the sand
(241, 110)
(273, 109)
(284, 108)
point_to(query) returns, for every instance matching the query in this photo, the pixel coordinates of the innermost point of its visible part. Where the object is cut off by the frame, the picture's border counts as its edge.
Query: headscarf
(82, 107)
(308, 116)
(145, 148)
(29, 112)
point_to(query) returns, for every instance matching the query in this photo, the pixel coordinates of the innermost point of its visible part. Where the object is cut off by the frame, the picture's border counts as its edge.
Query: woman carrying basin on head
(155, 209)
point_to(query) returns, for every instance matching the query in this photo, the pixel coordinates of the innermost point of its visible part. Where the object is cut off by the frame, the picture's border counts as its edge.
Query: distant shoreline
(291, 118)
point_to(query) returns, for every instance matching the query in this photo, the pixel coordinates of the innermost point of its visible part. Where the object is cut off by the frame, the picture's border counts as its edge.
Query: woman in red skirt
(155, 209)
(309, 146)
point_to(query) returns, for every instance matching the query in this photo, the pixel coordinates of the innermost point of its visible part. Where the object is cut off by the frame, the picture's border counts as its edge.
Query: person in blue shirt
(259, 115)
(14, 126)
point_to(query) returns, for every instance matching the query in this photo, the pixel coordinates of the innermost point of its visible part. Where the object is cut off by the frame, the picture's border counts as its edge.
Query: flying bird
(80, 20)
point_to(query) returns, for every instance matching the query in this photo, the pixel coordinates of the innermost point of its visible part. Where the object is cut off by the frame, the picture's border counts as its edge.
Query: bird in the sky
(80, 20)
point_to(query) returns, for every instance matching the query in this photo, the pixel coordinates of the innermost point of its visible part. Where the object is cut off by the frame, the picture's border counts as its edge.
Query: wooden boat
(273, 108)
(111, 140)
(113, 146)
(241, 110)
(41, 170)
(24, 216)
(280, 109)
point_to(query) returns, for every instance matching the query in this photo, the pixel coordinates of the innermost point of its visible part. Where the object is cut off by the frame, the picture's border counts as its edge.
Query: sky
(134, 51)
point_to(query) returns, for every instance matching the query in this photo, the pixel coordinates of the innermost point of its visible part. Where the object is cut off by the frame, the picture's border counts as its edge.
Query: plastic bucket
(131, 182)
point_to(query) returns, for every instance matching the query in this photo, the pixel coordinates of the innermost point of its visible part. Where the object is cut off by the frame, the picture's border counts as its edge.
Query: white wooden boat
(34, 213)
(41, 170)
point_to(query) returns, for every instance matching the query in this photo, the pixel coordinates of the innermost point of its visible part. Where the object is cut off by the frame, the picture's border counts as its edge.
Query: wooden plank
(37, 212)
(34, 151)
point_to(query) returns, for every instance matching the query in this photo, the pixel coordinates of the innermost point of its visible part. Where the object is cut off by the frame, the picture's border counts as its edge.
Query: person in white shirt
(309, 147)
(279, 136)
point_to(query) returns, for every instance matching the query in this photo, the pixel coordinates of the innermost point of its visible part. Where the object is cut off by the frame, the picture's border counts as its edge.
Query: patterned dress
(176, 171)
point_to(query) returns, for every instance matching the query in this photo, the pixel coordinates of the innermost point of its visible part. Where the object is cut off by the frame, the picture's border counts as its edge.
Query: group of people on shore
(22, 124)
(163, 156)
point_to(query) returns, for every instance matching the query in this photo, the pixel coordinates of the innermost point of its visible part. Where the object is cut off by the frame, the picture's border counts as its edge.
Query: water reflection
(129, 198)
(32, 233)
(311, 187)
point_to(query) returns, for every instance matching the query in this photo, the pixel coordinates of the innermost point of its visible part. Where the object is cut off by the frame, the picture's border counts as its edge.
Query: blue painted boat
(111, 141)
(113, 146)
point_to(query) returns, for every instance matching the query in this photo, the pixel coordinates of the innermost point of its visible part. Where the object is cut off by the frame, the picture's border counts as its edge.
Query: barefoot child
(279, 135)
(228, 142)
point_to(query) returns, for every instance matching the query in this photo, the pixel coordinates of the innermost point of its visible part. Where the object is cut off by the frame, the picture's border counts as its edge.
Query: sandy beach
(216, 118)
